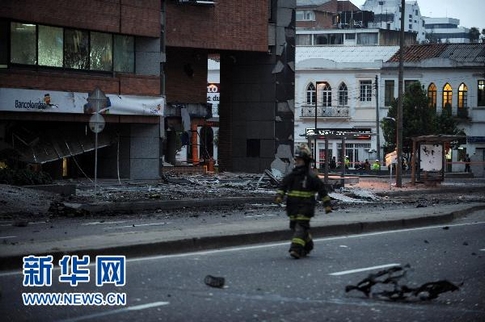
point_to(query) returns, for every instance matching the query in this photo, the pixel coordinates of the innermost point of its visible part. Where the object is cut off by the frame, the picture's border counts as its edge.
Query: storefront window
(124, 54)
(51, 43)
(31, 44)
(23, 43)
(76, 54)
(101, 51)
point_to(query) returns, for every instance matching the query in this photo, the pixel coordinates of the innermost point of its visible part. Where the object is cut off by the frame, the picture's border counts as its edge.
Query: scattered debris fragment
(392, 277)
(214, 281)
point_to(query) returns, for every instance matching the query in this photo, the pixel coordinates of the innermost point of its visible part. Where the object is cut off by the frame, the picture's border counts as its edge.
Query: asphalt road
(264, 284)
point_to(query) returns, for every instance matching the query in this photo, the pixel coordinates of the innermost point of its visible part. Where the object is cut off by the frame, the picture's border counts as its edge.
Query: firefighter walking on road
(300, 187)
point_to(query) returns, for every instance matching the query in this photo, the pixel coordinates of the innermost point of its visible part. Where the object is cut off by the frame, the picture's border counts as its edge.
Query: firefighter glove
(278, 199)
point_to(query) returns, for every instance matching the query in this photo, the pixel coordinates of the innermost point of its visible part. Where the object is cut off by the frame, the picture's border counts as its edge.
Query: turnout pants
(302, 240)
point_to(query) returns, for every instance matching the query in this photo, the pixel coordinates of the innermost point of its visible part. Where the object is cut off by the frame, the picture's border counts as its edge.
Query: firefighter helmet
(304, 152)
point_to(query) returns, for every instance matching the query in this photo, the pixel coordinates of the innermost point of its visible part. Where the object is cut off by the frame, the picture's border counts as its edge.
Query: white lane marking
(6, 237)
(9, 224)
(363, 269)
(103, 223)
(123, 310)
(225, 250)
(140, 225)
(231, 249)
(482, 250)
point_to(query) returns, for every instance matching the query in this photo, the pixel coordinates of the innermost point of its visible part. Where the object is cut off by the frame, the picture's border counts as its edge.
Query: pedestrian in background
(300, 187)
(467, 163)
(333, 164)
(376, 166)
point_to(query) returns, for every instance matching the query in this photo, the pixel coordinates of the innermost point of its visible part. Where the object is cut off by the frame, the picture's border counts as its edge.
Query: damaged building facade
(150, 60)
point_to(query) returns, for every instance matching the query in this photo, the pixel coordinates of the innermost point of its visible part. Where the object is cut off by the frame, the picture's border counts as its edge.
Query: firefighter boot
(308, 245)
(297, 253)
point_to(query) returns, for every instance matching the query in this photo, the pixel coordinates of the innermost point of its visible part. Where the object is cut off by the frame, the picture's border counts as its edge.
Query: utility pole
(378, 135)
(400, 101)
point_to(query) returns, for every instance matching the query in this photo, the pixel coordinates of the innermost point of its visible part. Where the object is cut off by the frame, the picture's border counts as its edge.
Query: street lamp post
(316, 123)
(399, 122)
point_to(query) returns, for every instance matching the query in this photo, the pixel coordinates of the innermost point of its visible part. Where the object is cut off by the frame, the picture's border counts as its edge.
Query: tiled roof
(346, 54)
(456, 52)
(310, 3)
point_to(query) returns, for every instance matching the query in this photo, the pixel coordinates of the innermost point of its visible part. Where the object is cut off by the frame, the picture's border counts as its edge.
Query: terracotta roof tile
(457, 52)
(415, 53)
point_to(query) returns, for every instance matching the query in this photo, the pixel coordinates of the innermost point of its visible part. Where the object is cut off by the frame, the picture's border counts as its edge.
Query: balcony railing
(462, 113)
(331, 111)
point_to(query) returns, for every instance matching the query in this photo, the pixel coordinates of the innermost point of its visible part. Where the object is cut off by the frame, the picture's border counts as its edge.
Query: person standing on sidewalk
(300, 187)
(467, 163)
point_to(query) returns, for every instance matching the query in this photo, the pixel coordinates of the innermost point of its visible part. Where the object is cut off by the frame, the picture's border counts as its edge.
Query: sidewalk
(195, 237)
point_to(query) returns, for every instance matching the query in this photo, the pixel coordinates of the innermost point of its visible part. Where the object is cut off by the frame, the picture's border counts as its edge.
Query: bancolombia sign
(25, 100)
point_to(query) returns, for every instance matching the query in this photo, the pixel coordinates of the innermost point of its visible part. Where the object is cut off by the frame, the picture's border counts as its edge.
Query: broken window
(51, 42)
(100, 54)
(76, 53)
(23, 43)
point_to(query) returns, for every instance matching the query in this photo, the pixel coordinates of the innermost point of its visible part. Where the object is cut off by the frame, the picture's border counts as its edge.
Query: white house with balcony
(454, 77)
(339, 83)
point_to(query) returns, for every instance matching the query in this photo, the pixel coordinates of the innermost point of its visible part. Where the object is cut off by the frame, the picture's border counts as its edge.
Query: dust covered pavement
(373, 192)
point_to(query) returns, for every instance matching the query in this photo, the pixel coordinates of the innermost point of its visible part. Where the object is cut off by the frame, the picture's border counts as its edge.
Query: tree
(474, 34)
(418, 119)
(432, 38)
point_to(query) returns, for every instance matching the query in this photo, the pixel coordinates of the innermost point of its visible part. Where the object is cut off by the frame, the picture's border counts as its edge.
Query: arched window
(343, 95)
(310, 94)
(447, 97)
(326, 95)
(462, 96)
(432, 95)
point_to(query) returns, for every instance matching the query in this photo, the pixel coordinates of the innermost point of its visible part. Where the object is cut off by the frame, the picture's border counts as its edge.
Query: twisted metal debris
(392, 277)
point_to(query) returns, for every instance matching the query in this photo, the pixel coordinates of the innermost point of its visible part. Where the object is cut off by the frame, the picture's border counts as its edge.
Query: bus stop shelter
(428, 159)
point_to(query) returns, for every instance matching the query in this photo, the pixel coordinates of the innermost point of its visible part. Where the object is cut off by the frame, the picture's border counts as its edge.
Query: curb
(214, 242)
(165, 204)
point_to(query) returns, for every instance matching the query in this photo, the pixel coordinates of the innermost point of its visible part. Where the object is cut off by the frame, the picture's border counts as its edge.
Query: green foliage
(21, 177)
(418, 119)
(474, 34)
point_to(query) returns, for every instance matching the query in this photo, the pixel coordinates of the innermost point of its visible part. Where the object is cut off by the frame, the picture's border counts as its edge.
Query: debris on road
(392, 277)
(214, 281)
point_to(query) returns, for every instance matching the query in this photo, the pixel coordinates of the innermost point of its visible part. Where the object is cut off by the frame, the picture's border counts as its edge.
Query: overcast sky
(470, 12)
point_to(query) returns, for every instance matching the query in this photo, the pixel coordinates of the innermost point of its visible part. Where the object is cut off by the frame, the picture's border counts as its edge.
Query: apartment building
(150, 60)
